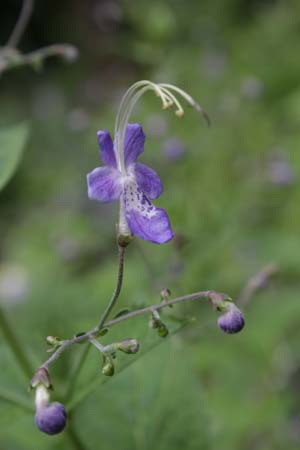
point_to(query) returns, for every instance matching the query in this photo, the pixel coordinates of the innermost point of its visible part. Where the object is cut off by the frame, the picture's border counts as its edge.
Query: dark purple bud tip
(231, 321)
(51, 419)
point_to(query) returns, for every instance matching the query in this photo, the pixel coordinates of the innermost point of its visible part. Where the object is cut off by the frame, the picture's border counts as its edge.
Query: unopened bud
(52, 340)
(108, 368)
(129, 346)
(232, 321)
(165, 294)
(51, 419)
(162, 330)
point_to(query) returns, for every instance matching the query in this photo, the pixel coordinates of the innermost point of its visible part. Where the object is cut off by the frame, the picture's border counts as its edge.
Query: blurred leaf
(12, 142)
(122, 312)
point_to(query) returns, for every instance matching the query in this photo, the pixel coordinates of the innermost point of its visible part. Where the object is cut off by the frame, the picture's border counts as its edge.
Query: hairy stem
(21, 24)
(15, 345)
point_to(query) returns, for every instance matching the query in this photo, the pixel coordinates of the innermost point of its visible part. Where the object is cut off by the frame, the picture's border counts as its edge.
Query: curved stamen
(166, 94)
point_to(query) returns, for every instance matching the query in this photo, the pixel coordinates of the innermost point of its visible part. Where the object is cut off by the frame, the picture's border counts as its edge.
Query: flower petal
(143, 218)
(106, 148)
(148, 180)
(104, 184)
(134, 142)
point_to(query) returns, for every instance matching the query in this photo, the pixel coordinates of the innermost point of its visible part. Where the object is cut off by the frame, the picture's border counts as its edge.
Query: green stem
(93, 384)
(15, 345)
(103, 318)
(117, 290)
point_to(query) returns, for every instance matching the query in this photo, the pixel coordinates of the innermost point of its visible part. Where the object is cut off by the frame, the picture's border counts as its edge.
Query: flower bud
(153, 323)
(129, 346)
(232, 321)
(162, 330)
(108, 368)
(165, 294)
(51, 419)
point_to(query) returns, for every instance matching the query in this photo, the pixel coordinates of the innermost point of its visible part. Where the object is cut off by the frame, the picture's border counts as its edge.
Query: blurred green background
(232, 193)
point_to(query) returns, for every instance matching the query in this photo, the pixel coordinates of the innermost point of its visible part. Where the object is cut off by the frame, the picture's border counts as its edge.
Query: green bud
(55, 341)
(165, 294)
(162, 330)
(128, 346)
(153, 322)
(108, 368)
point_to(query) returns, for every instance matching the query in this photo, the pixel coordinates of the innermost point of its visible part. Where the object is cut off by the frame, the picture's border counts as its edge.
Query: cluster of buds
(129, 346)
(50, 418)
(231, 320)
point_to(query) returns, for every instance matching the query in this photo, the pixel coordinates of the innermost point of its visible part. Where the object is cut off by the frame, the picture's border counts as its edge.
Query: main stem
(103, 318)
(117, 290)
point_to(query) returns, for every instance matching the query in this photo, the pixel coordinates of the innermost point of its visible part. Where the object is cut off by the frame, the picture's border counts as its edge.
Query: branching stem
(147, 310)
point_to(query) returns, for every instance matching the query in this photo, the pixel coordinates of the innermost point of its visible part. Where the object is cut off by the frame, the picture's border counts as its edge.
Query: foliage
(12, 142)
(205, 389)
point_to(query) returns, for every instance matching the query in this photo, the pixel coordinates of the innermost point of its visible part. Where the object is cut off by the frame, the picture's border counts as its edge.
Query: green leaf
(122, 312)
(12, 142)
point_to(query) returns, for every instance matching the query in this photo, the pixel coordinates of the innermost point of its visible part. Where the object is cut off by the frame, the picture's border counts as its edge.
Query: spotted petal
(148, 181)
(134, 142)
(143, 218)
(106, 148)
(104, 184)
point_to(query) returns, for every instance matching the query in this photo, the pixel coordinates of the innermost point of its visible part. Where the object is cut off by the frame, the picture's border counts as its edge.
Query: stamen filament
(165, 92)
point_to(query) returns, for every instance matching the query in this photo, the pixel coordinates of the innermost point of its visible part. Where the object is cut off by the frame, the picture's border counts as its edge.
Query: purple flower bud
(51, 419)
(232, 321)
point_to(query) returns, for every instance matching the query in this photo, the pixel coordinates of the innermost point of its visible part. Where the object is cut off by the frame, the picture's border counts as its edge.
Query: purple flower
(51, 419)
(135, 184)
(232, 321)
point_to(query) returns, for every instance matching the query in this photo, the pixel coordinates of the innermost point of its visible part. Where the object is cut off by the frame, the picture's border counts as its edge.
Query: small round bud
(165, 294)
(231, 321)
(51, 419)
(108, 368)
(129, 346)
(162, 330)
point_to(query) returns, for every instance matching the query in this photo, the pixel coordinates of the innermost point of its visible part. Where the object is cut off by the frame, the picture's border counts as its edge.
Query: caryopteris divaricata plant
(134, 185)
